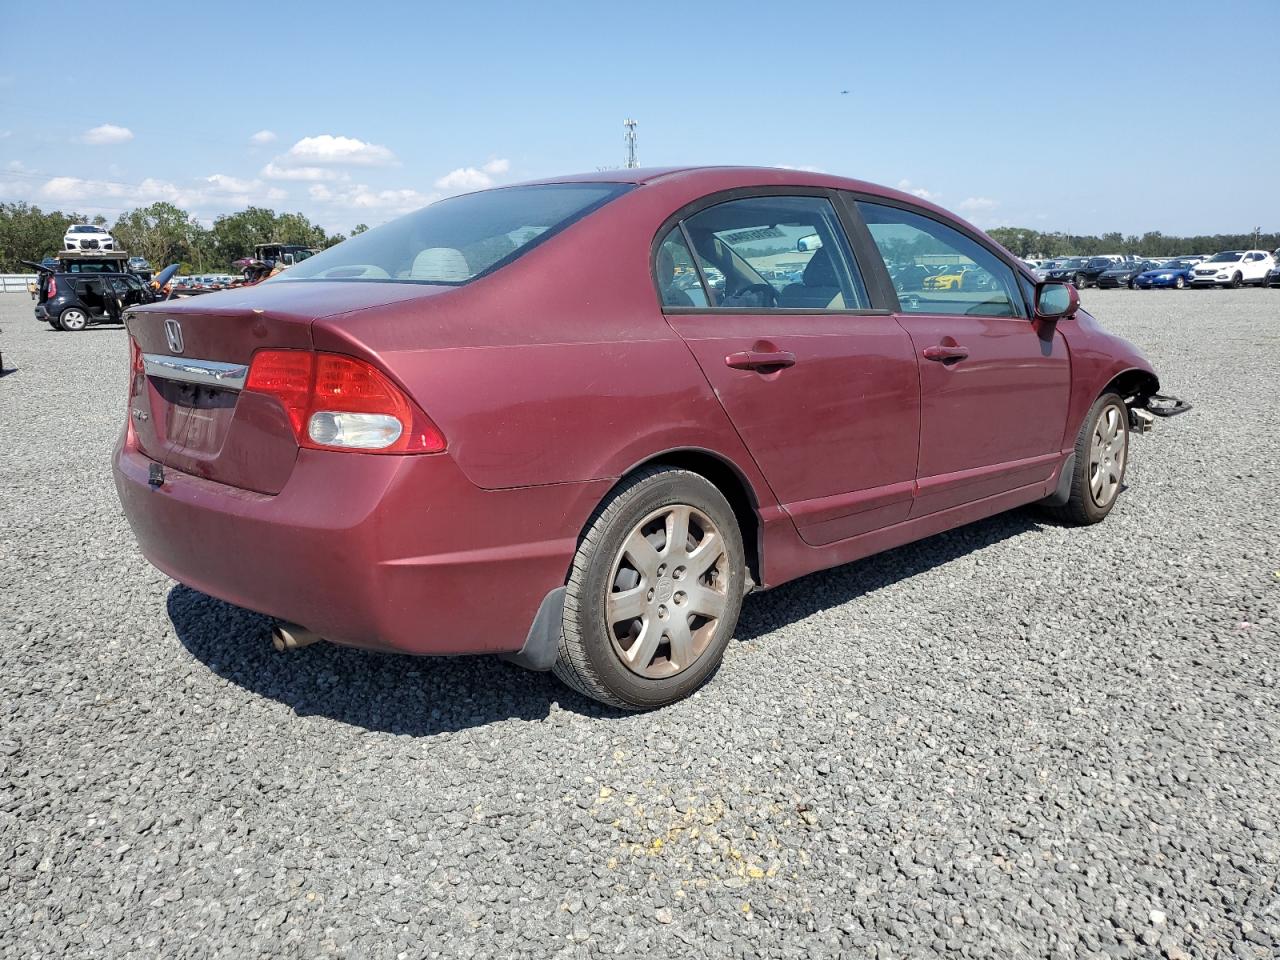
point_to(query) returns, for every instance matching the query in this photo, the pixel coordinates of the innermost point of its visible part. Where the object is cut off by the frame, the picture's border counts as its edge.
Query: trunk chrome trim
(210, 373)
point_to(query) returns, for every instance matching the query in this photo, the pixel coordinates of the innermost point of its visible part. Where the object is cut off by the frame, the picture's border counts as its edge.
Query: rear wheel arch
(731, 483)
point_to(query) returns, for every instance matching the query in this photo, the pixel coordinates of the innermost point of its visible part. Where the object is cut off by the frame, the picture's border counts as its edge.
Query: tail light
(335, 402)
(53, 288)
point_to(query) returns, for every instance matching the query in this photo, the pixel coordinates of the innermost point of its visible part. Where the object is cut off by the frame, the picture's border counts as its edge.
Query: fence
(15, 282)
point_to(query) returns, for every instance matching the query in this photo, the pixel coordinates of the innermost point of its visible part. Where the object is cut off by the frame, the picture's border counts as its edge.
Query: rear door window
(776, 252)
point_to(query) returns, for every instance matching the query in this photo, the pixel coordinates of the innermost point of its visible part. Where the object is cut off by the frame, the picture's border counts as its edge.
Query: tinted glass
(1224, 258)
(777, 253)
(937, 269)
(676, 275)
(455, 240)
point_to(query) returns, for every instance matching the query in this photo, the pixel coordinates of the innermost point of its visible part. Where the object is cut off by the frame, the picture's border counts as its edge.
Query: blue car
(1172, 273)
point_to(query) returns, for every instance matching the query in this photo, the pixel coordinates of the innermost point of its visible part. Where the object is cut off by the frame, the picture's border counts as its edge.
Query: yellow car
(951, 278)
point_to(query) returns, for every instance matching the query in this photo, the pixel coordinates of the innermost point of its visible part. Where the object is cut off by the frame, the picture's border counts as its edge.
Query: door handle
(757, 359)
(945, 354)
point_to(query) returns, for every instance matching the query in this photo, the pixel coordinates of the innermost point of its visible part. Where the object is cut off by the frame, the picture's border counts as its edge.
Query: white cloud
(105, 134)
(276, 171)
(349, 151)
(225, 184)
(368, 199)
(262, 136)
(905, 186)
(275, 193)
(978, 204)
(16, 166)
(472, 178)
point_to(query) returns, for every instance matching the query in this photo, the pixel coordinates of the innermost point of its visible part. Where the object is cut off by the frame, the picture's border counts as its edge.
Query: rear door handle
(944, 354)
(755, 359)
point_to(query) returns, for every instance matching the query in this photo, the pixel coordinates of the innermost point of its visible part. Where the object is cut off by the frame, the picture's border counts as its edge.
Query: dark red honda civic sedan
(575, 421)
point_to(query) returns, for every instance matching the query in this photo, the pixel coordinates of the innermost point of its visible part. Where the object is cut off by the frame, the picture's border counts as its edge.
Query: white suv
(87, 236)
(1232, 268)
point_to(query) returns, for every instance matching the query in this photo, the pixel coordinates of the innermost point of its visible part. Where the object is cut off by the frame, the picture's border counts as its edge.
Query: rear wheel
(1102, 454)
(1080, 281)
(654, 593)
(73, 319)
(1179, 283)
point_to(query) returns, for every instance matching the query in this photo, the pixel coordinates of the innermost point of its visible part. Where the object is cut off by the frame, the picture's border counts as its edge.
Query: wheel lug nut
(650, 594)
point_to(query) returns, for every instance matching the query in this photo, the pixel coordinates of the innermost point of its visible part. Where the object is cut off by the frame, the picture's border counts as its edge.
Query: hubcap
(1107, 454)
(668, 591)
(73, 319)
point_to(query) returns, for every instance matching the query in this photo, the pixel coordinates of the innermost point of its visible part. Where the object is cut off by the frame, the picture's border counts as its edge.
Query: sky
(1085, 118)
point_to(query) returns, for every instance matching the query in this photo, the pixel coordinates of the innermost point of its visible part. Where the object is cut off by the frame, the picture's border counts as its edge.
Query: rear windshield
(456, 240)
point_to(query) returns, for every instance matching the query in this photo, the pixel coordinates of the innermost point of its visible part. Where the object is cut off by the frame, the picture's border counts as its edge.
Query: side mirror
(1054, 300)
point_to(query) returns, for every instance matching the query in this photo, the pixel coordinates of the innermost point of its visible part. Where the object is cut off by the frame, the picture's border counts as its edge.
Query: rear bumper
(385, 552)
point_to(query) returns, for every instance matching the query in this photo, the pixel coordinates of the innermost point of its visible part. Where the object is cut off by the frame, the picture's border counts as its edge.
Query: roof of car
(710, 179)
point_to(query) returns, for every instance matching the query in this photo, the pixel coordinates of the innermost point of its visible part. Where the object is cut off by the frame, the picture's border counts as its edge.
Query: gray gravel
(1014, 740)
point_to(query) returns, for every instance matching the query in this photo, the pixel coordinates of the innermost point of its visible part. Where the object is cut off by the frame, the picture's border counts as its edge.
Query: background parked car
(77, 294)
(1272, 279)
(1233, 268)
(87, 236)
(1066, 269)
(1171, 273)
(1094, 267)
(1125, 274)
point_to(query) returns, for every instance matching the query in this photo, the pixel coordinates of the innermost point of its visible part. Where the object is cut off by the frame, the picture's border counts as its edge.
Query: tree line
(1032, 243)
(162, 233)
(165, 234)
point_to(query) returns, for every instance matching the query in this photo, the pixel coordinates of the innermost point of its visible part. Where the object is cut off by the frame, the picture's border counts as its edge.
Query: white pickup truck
(1233, 268)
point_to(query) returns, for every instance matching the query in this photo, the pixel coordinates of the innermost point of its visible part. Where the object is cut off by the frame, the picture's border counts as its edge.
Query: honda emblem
(173, 334)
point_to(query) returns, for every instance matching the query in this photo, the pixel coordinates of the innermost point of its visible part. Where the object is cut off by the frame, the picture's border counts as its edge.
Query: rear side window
(937, 269)
(776, 252)
(677, 275)
(456, 240)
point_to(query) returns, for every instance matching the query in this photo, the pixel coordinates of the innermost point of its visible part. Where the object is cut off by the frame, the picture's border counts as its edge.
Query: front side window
(937, 269)
(454, 241)
(776, 253)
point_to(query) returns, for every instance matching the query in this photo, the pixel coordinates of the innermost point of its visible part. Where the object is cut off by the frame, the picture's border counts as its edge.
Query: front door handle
(946, 354)
(758, 359)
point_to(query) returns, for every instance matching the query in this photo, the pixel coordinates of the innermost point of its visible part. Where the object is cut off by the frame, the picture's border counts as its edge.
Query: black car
(87, 288)
(1123, 274)
(1095, 267)
(1272, 279)
(1066, 270)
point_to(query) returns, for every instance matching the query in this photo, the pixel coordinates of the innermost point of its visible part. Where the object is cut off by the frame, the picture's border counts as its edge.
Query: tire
(1179, 283)
(1090, 502)
(73, 319)
(1080, 281)
(1236, 280)
(594, 653)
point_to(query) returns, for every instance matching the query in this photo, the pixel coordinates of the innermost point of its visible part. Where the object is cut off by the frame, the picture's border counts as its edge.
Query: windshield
(1228, 257)
(456, 240)
(1175, 265)
(87, 229)
(1072, 263)
(1101, 262)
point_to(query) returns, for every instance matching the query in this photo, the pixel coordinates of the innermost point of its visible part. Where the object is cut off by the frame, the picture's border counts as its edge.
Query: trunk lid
(187, 407)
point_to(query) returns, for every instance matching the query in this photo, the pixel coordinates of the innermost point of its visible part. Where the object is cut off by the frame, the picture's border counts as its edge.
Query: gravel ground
(1014, 740)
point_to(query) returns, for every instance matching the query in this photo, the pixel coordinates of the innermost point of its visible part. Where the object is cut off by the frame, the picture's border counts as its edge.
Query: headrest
(820, 272)
(440, 263)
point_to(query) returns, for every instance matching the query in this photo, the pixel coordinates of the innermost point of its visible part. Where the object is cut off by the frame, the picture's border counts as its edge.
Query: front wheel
(1236, 280)
(654, 593)
(1179, 283)
(1102, 454)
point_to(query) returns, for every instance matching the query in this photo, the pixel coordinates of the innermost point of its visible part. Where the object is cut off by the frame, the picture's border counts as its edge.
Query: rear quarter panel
(560, 367)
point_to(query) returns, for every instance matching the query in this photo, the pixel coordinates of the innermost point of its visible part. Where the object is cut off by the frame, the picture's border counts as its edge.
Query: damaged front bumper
(1144, 410)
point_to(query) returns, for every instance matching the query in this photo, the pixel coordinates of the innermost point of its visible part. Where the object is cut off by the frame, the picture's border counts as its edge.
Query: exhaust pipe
(290, 636)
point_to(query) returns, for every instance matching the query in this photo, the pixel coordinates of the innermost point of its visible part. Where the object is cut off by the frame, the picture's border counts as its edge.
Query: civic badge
(173, 334)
